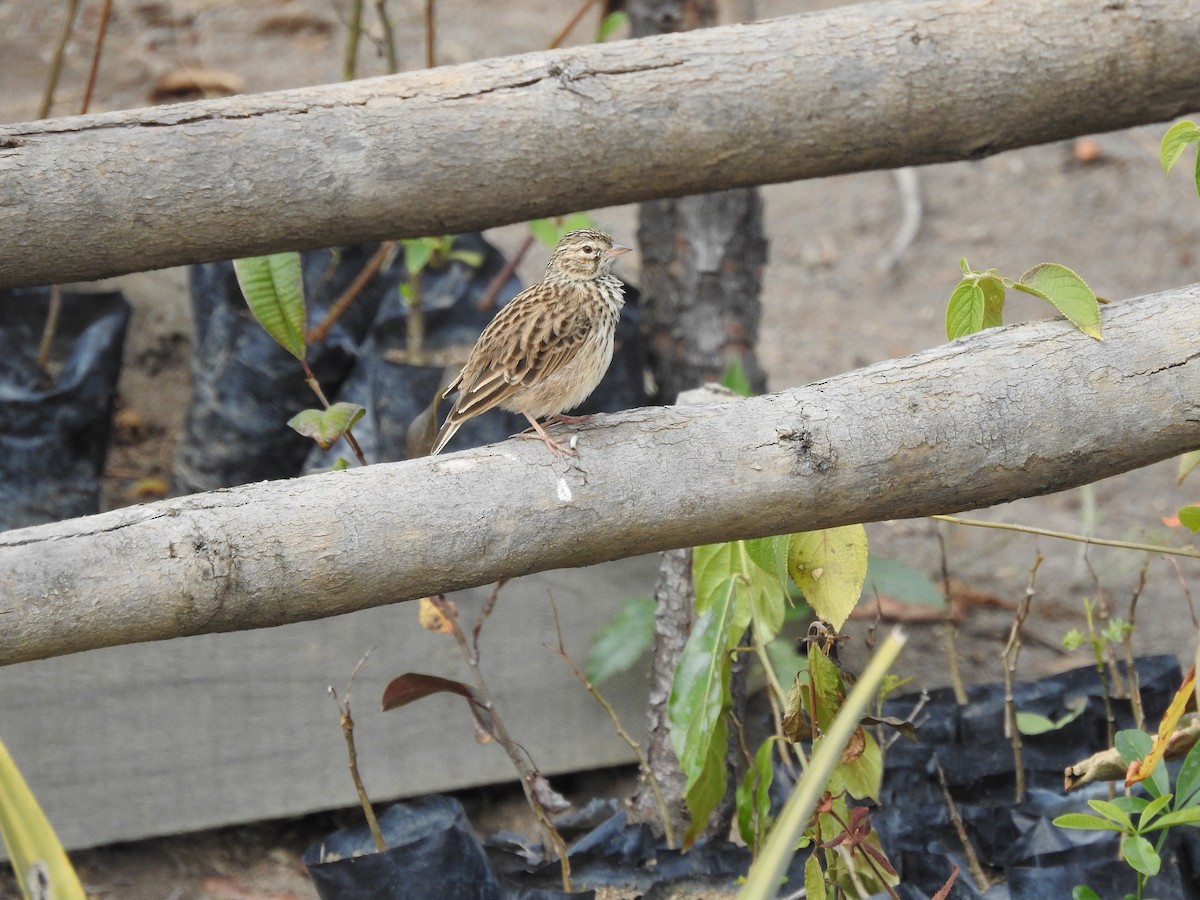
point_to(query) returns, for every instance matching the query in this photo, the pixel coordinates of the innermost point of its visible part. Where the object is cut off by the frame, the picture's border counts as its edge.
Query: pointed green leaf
(1189, 517)
(1083, 892)
(1086, 822)
(814, 879)
(759, 594)
(1132, 744)
(1187, 784)
(610, 24)
(700, 693)
(326, 426)
(1067, 292)
(1112, 811)
(754, 796)
(38, 860)
(1189, 815)
(699, 700)
(621, 643)
(1152, 809)
(1139, 853)
(1175, 141)
(962, 264)
(1031, 723)
(735, 378)
(993, 301)
(964, 313)
(472, 259)
(417, 253)
(274, 290)
(829, 567)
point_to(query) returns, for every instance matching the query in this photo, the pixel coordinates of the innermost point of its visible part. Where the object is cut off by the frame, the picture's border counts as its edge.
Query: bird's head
(584, 255)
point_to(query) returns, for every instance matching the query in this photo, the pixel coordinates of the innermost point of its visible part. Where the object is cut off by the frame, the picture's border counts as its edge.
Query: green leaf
(1031, 723)
(621, 643)
(1175, 141)
(1067, 292)
(1139, 853)
(1112, 811)
(417, 254)
(862, 777)
(274, 290)
(759, 591)
(545, 231)
(754, 796)
(1086, 822)
(993, 301)
(830, 567)
(962, 264)
(699, 700)
(326, 426)
(472, 259)
(900, 581)
(33, 847)
(1189, 815)
(1083, 892)
(1072, 639)
(340, 464)
(1187, 783)
(1152, 809)
(964, 312)
(610, 24)
(735, 378)
(1189, 517)
(814, 879)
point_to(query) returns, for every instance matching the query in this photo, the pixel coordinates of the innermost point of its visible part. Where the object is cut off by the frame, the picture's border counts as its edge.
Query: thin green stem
(1067, 536)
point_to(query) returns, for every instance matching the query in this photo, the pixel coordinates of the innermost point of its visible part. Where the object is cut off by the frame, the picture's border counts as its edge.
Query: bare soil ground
(1099, 205)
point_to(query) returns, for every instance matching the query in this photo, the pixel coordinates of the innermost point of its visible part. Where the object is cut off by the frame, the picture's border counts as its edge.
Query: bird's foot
(558, 447)
(563, 419)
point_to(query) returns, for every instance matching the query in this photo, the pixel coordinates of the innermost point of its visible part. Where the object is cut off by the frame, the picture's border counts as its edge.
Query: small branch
(389, 36)
(981, 880)
(53, 310)
(570, 26)
(643, 763)
(910, 218)
(949, 629)
(353, 33)
(484, 612)
(493, 289)
(520, 758)
(56, 60)
(1067, 536)
(105, 13)
(347, 723)
(430, 34)
(1012, 652)
(1135, 687)
(339, 306)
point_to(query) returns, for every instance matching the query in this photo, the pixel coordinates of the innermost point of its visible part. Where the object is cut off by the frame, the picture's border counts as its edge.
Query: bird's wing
(529, 339)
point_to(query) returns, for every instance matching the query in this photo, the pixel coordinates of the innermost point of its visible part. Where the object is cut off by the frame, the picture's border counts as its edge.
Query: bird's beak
(617, 250)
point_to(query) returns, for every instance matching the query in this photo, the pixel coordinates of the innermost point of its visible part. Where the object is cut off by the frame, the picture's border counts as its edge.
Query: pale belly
(570, 385)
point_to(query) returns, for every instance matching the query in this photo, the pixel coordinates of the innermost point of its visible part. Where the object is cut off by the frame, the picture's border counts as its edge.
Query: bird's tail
(449, 427)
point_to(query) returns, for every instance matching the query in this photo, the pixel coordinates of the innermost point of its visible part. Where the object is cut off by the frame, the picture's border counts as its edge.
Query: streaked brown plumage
(548, 348)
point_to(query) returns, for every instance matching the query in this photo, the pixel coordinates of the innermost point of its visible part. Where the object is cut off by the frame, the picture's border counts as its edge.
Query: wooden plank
(128, 742)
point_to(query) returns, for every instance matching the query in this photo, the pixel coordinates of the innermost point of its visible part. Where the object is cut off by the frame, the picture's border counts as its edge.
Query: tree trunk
(1013, 412)
(459, 148)
(702, 258)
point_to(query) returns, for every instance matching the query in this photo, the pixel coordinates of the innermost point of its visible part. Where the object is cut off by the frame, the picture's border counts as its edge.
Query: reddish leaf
(944, 891)
(406, 688)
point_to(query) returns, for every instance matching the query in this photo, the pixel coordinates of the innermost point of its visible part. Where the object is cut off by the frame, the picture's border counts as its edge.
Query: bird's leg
(558, 447)
(558, 418)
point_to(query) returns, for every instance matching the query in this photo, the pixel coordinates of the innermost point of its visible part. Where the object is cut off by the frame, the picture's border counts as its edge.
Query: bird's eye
(588, 249)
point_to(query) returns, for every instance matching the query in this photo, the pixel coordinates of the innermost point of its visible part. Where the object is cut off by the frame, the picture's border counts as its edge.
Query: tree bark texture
(702, 258)
(701, 279)
(674, 614)
(482, 144)
(1012, 412)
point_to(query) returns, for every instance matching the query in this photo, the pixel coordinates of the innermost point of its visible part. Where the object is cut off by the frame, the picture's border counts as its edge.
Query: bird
(547, 348)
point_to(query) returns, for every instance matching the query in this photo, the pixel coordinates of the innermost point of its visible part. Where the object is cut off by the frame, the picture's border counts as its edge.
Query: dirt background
(1100, 205)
